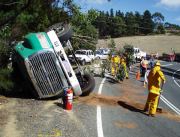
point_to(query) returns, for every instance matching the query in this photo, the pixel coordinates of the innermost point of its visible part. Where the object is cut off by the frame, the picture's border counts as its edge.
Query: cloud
(170, 3)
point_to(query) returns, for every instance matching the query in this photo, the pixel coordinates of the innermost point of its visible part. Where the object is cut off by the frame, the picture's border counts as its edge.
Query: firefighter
(123, 63)
(155, 79)
(115, 61)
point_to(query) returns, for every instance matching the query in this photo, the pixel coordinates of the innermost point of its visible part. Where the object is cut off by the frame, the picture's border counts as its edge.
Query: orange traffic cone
(138, 75)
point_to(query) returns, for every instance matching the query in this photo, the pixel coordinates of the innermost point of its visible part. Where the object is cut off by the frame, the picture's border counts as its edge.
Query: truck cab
(138, 54)
(43, 62)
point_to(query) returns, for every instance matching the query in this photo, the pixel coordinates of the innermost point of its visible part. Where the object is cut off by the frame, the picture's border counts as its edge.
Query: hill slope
(150, 44)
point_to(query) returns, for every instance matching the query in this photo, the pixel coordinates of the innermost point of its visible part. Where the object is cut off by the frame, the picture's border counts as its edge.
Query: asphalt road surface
(116, 122)
(112, 110)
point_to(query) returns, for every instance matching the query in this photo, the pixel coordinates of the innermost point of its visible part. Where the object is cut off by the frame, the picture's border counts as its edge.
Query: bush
(129, 51)
(160, 29)
(112, 46)
(6, 83)
(4, 54)
(5, 73)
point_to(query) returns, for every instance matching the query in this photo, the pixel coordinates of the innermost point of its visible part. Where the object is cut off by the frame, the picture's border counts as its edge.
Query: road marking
(99, 118)
(174, 78)
(166, 65)
(170, 105)
(99, 122)
(101, 85)
(176, 83)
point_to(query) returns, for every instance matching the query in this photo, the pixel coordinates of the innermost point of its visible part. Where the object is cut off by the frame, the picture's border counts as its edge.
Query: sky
(170, 9)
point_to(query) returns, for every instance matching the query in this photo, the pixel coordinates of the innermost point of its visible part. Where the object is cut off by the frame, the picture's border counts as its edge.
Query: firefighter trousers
(114, 69)
(125, 70)
(151, 103)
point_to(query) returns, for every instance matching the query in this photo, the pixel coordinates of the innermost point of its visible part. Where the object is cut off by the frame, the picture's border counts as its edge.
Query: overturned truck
(43, 63)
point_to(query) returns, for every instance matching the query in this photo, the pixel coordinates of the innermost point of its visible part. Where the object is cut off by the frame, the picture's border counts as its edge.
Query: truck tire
(98, 58)
(88, 84)
(63, 31)
(83, 62)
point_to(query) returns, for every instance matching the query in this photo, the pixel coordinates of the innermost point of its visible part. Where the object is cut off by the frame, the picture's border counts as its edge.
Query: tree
(85, 34)
(92, 15)
(101, 24)
(161, 29)
(120, 14)
(111, 13)
(147, 23)
(158, 18)
(138, 22)
(112, 46)
(129, 52)
(130, 22)
(20, 17)
(117, 27)
(5, 73)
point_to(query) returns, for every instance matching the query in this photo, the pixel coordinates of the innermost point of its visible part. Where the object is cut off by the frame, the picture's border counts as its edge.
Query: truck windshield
(98, 52)
(80, 52)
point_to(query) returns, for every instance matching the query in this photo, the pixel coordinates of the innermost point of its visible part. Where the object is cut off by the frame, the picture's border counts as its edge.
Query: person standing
(146, 78)
(123, 63)
(151, 62)
(115, 61)
(143, 66)
(155, 80)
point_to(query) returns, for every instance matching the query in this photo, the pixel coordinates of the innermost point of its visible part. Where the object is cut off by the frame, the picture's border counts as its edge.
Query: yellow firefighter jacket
(115, 59)
(155, 78)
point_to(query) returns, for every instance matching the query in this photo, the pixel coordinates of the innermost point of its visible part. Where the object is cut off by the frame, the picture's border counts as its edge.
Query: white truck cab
(84, 56)
(138, 54)
(102, 53)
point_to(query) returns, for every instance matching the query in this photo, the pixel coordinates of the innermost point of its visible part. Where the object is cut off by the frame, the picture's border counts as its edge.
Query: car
(83, 56)
(101, 54)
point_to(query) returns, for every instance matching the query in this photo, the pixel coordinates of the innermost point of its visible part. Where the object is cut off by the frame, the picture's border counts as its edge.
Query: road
(172, 87)
(112, 110)
(118, 122)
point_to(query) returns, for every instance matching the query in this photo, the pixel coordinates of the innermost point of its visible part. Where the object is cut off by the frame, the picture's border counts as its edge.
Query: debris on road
(170, 116)
(132, 99)
(95, 99)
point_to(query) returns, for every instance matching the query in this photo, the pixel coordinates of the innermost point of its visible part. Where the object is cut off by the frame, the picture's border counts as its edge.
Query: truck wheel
(83, 62)
(92, 61)
(88, 84)
(98, 58)
(136, 59)
(63, 31)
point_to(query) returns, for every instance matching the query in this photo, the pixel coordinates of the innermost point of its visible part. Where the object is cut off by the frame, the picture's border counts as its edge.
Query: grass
(150, 44)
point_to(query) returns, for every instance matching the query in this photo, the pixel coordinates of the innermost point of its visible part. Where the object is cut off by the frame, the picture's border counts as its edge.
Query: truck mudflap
(64, 61)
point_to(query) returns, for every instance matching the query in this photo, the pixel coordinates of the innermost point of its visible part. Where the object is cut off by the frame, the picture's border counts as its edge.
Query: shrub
(5, 79)
(129, 51)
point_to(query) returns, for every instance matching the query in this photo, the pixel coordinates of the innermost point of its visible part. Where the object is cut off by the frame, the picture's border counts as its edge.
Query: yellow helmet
(157, 63)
